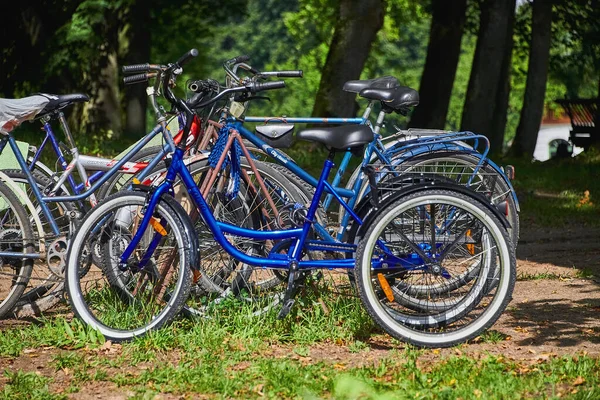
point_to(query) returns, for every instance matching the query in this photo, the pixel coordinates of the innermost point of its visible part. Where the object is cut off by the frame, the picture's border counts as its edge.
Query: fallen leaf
(579, 381)
(258, 389)
(106, 346)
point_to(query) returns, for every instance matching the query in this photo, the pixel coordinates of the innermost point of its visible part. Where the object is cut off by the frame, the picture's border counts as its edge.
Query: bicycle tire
(46, 285)
(504, 189)
(11, 239)
(482, 306)
(121, 299)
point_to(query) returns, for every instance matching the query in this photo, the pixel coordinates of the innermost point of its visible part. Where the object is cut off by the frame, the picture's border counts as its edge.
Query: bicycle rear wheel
(16, 236)
(46, 284)
(127, 301)
(224, 281)
(448, 268)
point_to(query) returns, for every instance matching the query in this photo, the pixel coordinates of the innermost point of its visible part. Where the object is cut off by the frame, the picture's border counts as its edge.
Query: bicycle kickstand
(294, 278)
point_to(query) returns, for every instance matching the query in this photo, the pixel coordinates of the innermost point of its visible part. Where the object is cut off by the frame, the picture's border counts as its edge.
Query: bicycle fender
(368, 214)
(457, 146)
(434, 184)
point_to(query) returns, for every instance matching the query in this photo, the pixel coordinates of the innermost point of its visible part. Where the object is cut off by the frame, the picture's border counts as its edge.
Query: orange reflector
(470, 246)
(197, 275)
(386, 287)
(136, 181)
(157, 226)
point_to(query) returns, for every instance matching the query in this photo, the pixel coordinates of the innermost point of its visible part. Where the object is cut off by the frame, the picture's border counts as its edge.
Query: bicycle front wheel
(127, 301)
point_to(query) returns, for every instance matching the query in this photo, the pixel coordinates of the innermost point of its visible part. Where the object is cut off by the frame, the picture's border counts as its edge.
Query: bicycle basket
(278, 136)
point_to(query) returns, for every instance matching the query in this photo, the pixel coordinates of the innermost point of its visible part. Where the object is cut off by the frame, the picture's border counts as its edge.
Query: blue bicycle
(217, 272)
(461, 156)
(417, 227)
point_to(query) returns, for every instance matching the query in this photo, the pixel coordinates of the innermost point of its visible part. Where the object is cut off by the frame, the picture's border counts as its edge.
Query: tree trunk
(537, 73)
(443, 51)
(357, 25)
(104, 107)
(487, 83)
(498, 128)
(138, 51)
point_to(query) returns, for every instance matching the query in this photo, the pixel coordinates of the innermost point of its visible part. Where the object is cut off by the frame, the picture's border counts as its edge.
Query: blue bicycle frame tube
(309, 120)
(292, 166)
(217, 228)
(338, 177)
(38, 153)
(110, 172)
(33, 184)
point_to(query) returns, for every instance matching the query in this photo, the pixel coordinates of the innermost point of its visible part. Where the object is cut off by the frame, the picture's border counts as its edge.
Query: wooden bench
(585, 120)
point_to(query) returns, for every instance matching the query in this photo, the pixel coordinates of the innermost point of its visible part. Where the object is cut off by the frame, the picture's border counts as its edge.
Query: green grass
(233, 355)
(240, 374)
(27, 385)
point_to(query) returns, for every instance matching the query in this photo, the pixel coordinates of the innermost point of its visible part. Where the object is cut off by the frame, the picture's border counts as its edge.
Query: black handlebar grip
(130, 80)
(187, 57)
(259, 87)
(241, 59)
(290, 74)
(128, 69)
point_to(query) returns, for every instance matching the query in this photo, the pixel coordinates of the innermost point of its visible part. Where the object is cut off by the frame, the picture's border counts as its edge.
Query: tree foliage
(65, 46)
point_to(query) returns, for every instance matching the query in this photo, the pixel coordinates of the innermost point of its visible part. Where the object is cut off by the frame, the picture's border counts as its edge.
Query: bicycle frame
(386, 152)
(117, 166)
(219, 229)
(372, 149)
(82, 163)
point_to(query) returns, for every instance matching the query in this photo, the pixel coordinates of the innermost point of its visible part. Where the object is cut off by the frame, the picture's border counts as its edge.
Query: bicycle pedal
(286, 308)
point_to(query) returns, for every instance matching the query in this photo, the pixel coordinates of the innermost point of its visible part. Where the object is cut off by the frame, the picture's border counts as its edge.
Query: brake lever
(260, 98)
(244, 97)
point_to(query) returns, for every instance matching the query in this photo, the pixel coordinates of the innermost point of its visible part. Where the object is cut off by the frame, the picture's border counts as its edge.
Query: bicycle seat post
(379, 122)
(65, 127)
(368, 110)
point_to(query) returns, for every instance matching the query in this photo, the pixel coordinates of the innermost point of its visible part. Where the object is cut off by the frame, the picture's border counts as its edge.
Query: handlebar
(231, 66)
(284, 74)
(130, 69)
(238, 59)
(251, 87)
(259, 87)
(187, 57)
(130, 80)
